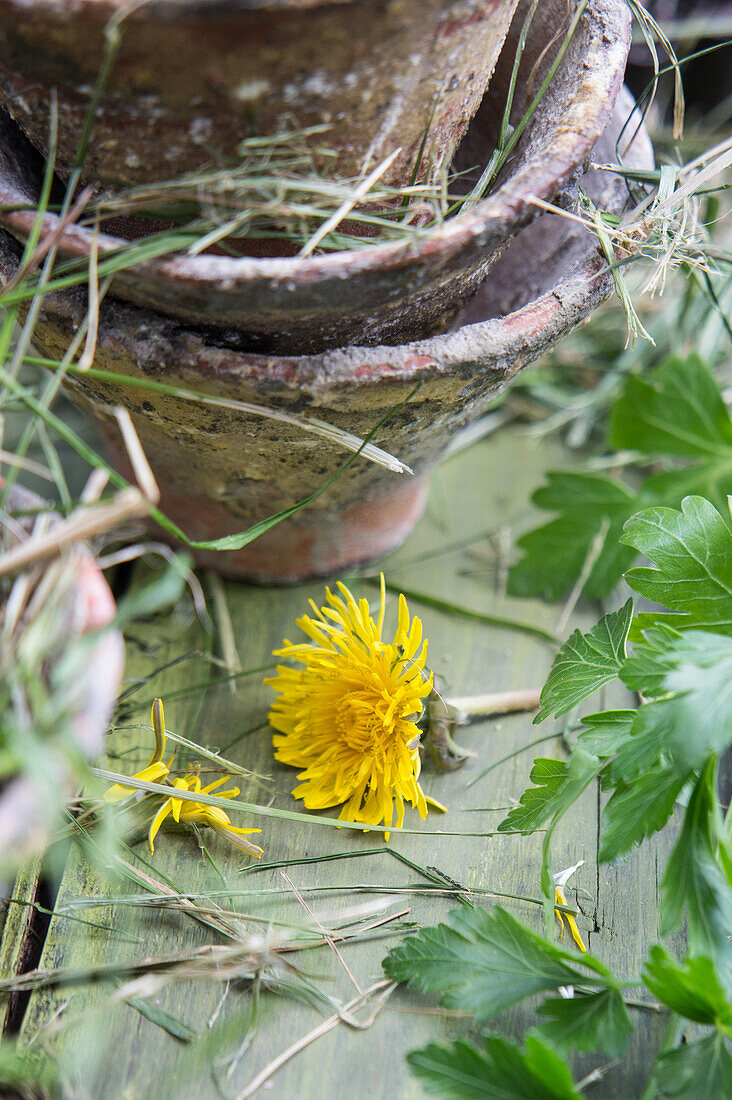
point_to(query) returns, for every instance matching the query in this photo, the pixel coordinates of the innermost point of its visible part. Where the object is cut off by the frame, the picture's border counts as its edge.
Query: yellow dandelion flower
(348, 717)
(157, 770)
(198, 813)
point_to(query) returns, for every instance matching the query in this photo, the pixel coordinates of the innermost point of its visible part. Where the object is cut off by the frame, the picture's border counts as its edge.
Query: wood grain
(114, 1051)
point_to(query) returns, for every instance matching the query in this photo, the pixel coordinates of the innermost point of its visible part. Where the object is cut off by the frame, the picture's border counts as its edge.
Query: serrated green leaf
(599, 1021)
(584, 503)
(644, 620)
(499, 1070)
(711, 479)
(677, 413)
(645, 670)
(482, 962)
(696, 1071)
(692, 550)
(691, 988)
(585, 663)
(637, 810)
(559, 784)
(701, 677)
(678, 410)
(644, 749)
(606, 732)
(693, 672)
(694, 882)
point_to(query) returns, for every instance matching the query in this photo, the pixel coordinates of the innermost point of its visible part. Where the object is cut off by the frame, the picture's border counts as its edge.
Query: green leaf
(599, 1021)
(644, 749)
(644, 620)
(499, 1070)
(679, 410)
(696, 1071)
(606, 732)
(555, 553)
(691, 988)
(711, 479)
(651, 660)
(637, 810)
(678, 413)
(558, 785)
(694, 882)
(702, 710)
(694, 673)
(692, 550)
(483, 962)
(586, 662)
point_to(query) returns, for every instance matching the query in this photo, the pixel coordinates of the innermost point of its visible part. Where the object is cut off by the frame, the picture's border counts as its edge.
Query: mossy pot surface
(399, 291)
(221, 470)
(192, 78)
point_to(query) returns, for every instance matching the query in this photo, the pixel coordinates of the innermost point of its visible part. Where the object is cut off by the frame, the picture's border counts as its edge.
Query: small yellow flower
(197, 813)
(185, 810)
(560, 880)
(157, 770)
(348, 718)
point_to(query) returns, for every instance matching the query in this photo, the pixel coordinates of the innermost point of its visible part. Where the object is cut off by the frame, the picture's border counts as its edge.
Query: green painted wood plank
(114, 1051)
(16, 915)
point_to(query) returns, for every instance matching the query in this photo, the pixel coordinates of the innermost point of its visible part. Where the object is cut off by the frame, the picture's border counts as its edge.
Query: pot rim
(492, 219)
(505, 342)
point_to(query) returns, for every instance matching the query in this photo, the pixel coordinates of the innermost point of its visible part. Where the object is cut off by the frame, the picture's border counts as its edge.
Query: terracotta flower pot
(26, 812)
(395, 292)
(221, 471)
(192, 78)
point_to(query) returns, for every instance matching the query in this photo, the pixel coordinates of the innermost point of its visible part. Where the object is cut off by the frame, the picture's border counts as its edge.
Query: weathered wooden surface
(111, 1051)
(17, 937)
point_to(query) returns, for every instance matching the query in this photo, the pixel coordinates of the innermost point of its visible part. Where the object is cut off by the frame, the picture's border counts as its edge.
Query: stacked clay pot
(191, 79)
(393, 292)
(346, 337)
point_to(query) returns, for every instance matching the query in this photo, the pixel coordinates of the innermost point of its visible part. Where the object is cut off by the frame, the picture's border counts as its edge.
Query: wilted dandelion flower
(348, 717)
(184, 810)
(560, 881)
(198, 813)
(157, 770)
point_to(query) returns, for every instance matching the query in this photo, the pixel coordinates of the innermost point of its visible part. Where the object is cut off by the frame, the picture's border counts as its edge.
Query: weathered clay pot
(192, 78)
(395, 292)
(25, 814)
(221, 471)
